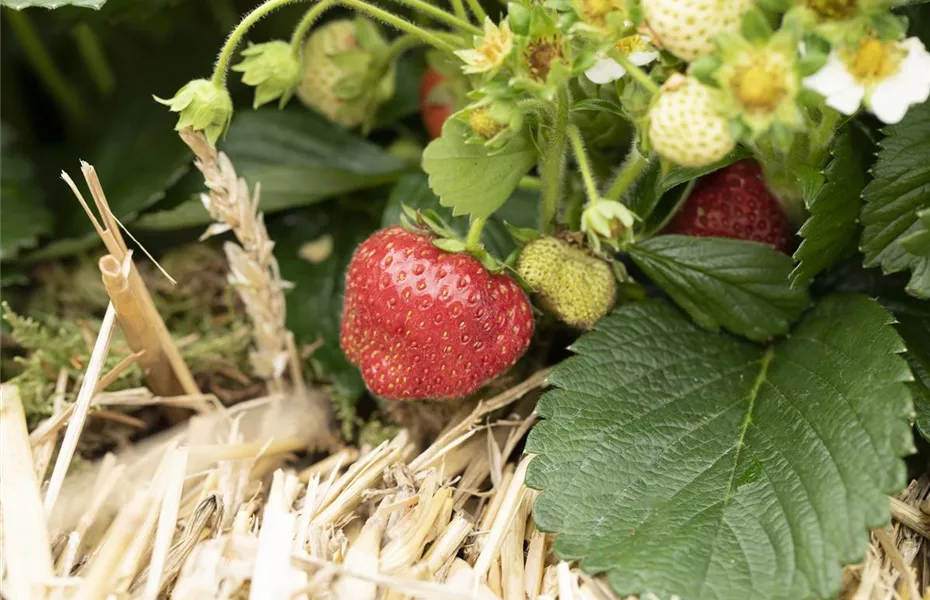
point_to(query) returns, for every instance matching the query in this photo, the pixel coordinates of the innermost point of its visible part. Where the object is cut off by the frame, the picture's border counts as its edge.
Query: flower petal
(848, 100)
(605, 70)
(889, 99)
(642, 57)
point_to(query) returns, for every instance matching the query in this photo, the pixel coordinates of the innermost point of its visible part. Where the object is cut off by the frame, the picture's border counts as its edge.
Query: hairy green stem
(581, 157)
(629, 172)
(552, 163)
(46, 69)
(229, 47)
(95, 59)
(638, 74)
(822, 135)
(478, 10)
(459, 9)
(473, 240)
(428, 9)
(405, 26)
(306, 22)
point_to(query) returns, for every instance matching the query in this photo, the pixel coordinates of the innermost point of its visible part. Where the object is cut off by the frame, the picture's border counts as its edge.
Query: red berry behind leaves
(435, 107)
(424, 323)
(734, 203)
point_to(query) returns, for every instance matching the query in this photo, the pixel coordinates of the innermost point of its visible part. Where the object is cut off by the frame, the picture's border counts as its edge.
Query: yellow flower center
(483, 124)
(833, 9)
(873, 60)
(759, 85)
(631, 44)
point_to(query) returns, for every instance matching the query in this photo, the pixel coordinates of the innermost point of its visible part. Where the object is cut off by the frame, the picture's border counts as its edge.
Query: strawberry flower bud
(607, 219)
(202, 106)
(272, 68)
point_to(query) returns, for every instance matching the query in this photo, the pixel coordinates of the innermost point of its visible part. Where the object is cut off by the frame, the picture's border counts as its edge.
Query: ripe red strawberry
(424, 323)
(734, 202)
(436, 103)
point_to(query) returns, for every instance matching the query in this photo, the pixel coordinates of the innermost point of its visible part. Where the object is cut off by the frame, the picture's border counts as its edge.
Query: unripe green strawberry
(687, 28)
(336, 72)
(573, 285)
(684, 127)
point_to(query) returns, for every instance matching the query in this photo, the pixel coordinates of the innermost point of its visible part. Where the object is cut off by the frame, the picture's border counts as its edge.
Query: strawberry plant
(710, 219)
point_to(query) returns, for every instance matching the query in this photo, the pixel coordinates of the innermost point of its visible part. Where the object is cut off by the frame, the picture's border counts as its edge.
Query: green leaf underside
(25, 217)
(834, 209)
(683, 462)
(741, 286)
(314, 306)
(900, 188)
(21, 4)
(137, 158)
(299, 158)
(469, 179)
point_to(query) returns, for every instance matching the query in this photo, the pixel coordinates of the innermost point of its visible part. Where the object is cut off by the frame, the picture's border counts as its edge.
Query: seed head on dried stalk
(253, 268)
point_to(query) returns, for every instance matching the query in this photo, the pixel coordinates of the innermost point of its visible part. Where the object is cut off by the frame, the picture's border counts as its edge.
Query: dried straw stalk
(27, 556)
(165, 372)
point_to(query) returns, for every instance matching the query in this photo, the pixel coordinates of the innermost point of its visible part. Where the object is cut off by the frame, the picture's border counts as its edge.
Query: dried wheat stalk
(253, 268)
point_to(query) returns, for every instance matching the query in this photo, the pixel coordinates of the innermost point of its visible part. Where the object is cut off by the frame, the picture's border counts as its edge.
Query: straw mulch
(227, 503)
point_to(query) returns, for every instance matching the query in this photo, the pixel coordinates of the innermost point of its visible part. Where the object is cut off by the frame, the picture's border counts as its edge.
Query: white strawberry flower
(888, 77)
(491, 49)
(637, 50)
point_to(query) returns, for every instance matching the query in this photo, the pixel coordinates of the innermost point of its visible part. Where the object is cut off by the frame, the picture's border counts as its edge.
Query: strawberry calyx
(444, 237)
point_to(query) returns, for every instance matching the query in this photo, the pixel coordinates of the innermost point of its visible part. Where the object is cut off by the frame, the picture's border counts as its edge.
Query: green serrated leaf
(467, 178)
(918, 243)
(681, 462)
(914, 326)
(413, 192)
(299, 158)
(51, 4)
(900, 188)
(741, 286)
(834, 208)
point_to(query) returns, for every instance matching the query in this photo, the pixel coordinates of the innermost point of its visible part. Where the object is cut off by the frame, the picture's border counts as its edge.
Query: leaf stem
(530, 183)
(629, 172)
(46, 69)
(478, 10)
(88, 44)
(584, 166)
(306, 22)
(473, 240)
(638, 74)
(426, 8)
(401, 24)
(552, 163)
(229, 47)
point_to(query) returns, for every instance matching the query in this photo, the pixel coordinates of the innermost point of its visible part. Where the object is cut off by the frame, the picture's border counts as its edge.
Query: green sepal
(756, 27)
(704, 69)
(519, 18)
